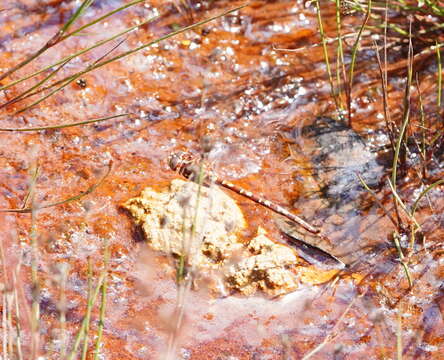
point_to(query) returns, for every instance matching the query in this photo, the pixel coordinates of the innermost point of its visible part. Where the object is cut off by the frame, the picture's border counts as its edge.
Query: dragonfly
(186, 164)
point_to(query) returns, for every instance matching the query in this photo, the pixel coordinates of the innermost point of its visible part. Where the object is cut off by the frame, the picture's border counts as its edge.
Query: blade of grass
(407, 273)
(423, 193)
(423, 146)
(328, 40)
(77, 14)
(398, 246)
(353, 59)
(385, 72)
(18, 339)
(406, 115)
(103, 17)
(413, 225)
(403, 206)
(340, 63)
(81, 333)
(88, 311)
(62, 309)
(61, 34)
(180, 272)
(62, 202)
(33, 179)
(62, 126)
(185, 284)
(438, 60)
(18, 310)
(388, 125)
(102, 302)
(405, 267)
(35, 307)
(326, 58)
(187, 249)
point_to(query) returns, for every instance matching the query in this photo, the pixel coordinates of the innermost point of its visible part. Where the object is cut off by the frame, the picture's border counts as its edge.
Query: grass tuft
(99, 63)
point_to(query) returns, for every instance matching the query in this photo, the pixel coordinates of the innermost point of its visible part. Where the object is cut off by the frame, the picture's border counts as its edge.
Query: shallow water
(227, 81)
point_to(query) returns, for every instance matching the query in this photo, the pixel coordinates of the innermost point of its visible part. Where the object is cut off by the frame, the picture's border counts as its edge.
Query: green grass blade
(62, 126)
(77, 14)
(326, 58)
(18, 320)
(406, 116)
(423, 193)
(403, 206)
(35, 306)
(340, 63)
(99, 19)
(81, 333)
(103, 302)
(354, 55)
(34, 177)
(167, 36)
(88, 311)
(438, 59)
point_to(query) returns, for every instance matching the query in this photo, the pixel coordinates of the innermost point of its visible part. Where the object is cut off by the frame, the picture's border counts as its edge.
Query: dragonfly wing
(315, 249)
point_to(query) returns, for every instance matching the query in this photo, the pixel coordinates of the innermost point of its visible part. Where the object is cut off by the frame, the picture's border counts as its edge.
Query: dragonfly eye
(174, 161)
(177, 161)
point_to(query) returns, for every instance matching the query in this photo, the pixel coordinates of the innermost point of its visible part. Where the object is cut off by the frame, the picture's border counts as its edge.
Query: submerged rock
(333, 157)
(338, 156)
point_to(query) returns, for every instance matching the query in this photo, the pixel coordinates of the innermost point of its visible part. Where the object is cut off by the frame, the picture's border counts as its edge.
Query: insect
(82, 83)
(186, 165)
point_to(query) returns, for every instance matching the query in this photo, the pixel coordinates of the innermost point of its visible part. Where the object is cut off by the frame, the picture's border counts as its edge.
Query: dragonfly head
(180, 161)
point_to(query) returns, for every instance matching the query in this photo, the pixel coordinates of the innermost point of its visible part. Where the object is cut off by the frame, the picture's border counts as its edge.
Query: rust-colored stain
(229, 81)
